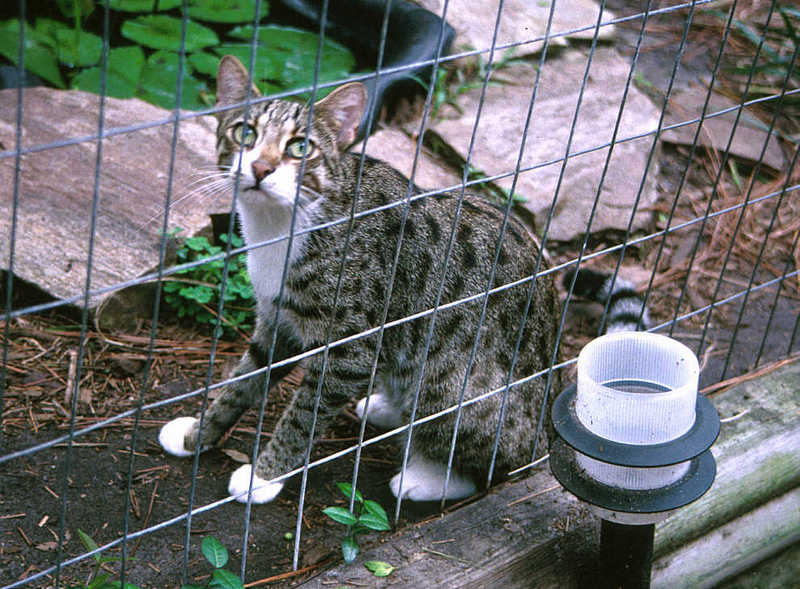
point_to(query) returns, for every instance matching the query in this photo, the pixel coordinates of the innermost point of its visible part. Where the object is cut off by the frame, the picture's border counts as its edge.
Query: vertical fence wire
(82, 344)
(88, 292)
(162, 250)
(539, 255)
(12, 236)
(444, 263)
(690, 158)
(717, 180)
(740, 219)
(362, 429)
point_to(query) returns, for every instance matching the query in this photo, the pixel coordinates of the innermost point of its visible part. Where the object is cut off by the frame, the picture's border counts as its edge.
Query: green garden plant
(146, 63)
(366, 516)
(217, 556)
(193, 293)
(212, 549)
(98, 580)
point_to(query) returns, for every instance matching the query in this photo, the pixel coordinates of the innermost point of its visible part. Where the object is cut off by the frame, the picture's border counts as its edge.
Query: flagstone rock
(54, 210)
(565, 165)
(522, 21)
(750, 137)
(394, 146)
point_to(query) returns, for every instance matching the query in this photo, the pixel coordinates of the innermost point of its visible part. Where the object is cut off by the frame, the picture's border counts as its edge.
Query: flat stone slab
(749, 135)
(394, 146)
(54, 206)
(500, 131)
(520, 22)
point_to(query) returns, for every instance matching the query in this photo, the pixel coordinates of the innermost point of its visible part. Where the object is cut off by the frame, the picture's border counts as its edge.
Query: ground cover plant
(194, 292)
(152, 45)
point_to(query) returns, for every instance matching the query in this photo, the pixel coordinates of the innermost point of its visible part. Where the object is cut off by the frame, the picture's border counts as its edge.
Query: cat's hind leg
(424, 480)
(381, 411)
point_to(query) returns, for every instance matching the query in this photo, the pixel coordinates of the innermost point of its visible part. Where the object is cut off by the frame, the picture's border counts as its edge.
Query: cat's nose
(261, 170)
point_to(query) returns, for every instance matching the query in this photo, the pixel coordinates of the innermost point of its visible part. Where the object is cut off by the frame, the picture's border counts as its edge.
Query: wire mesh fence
(715, 261)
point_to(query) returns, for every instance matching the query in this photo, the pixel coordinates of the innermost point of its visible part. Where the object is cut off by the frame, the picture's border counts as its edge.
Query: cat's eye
(244, 134)
(294, 148)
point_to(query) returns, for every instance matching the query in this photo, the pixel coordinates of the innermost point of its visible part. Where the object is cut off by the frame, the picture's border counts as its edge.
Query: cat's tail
(626, 309)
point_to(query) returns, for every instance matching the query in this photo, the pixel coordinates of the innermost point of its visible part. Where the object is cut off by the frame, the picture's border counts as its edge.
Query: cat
(274, 156)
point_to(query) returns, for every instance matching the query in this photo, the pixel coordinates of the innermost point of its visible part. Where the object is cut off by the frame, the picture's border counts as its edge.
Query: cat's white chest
(262, 222)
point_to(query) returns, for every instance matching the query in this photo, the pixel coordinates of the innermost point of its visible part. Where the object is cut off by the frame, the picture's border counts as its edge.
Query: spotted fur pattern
(309, 314)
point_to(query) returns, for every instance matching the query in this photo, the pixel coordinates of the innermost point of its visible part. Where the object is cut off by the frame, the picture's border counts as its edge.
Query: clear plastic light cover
(636, 388)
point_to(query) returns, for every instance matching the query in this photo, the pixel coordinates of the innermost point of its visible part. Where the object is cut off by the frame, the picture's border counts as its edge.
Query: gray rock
(520, 22)
(394, 146)
(686, 104)
(57, 184)
(500, 130)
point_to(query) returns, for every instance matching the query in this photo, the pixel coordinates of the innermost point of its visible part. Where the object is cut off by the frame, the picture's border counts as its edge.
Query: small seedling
(98, 580)
(366, 515)
(379, 568)
(217, 556)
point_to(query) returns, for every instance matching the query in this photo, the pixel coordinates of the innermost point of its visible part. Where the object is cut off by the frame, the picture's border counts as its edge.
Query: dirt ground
(83, 485)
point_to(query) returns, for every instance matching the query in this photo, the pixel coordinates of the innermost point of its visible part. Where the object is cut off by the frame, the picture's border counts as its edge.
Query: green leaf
(349, 549)
(159, 31)
(200, 294)
(79, 50)
(159, 80)
(89, 543)
(197, 243)
(125, 66)
(225, 580)
(144, 5)
(374, 508)
(39, 54)
(285, 56)
(379, 568)
(214, 551)
(67, 7)
(373, 522)
(226, 11)
(205, 63)
(347, 491)
(340, 515)
(192, 587)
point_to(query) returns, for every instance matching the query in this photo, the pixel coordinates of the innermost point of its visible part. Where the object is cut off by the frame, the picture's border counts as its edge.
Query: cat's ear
(232, 80)
(343, 109)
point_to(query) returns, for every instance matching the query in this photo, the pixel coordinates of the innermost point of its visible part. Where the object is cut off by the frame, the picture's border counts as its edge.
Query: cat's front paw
(172, 436)
(262, 492)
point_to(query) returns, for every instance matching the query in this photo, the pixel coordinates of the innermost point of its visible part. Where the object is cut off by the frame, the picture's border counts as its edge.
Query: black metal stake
(626, 555)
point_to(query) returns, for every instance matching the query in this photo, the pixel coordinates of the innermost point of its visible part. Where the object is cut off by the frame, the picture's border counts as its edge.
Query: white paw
(424, 481)
(172, 434)
(381, 412)
(263, 491)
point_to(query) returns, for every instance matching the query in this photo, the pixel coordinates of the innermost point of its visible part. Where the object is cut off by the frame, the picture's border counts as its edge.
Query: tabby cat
(275, 156)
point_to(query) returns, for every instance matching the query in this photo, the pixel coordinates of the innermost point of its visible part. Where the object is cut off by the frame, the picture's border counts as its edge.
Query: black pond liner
(412, 37)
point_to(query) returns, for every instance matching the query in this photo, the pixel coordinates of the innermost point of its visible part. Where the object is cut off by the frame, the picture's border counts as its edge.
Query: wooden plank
(551, 540)
(733, 547)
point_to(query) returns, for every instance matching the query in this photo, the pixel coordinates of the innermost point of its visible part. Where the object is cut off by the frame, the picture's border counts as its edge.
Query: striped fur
(626, 309)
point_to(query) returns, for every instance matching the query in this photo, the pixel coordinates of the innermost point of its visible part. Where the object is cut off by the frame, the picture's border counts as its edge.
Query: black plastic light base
(698, 479)
(697, 440)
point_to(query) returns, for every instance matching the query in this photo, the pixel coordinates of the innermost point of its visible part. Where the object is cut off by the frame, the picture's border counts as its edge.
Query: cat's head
(274, 139)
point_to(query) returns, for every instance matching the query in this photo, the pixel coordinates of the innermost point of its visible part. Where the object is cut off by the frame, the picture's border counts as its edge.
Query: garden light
(633, 439)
